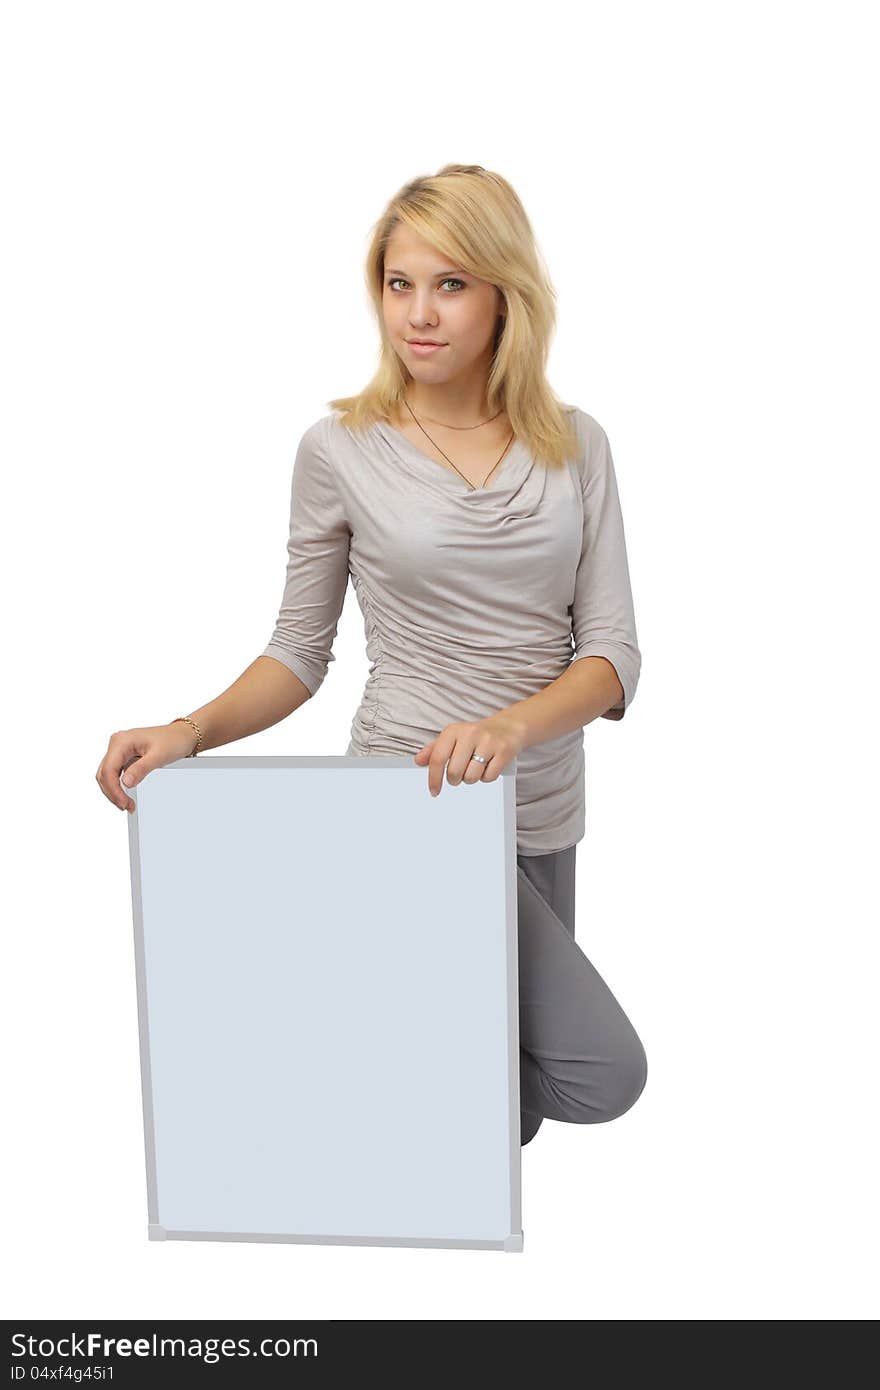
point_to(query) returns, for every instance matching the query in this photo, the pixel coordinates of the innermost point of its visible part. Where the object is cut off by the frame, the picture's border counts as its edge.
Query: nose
(421, 316)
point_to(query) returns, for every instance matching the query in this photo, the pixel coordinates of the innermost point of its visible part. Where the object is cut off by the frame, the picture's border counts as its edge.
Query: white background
(189, 190)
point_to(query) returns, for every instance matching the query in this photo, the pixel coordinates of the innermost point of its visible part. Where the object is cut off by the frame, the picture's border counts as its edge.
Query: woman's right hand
(137, 752)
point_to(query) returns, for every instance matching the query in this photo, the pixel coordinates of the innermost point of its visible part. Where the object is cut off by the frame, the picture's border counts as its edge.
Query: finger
(460, 763)
(475, 772)
(108, 773)
(442, 753)
(110, 788)
(493, 768)
(134, 772)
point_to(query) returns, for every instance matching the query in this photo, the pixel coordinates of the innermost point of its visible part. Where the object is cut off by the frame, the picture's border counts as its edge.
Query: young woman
(480, 522)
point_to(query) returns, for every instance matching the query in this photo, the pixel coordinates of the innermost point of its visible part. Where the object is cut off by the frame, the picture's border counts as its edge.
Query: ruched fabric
(472, 599)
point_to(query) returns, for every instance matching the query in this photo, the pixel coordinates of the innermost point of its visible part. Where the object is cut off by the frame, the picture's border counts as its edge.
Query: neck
(453, 404)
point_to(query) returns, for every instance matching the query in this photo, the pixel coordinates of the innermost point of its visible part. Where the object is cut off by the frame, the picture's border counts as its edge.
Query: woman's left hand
(499, 739)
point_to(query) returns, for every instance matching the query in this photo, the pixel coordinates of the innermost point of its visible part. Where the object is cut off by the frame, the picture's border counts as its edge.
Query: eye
(450, 280)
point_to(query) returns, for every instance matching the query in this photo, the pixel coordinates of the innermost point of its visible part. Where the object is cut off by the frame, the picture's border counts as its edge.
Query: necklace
(468, 427)
(459, 427)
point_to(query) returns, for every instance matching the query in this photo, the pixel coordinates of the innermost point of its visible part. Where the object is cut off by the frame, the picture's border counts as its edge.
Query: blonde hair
(475, 217)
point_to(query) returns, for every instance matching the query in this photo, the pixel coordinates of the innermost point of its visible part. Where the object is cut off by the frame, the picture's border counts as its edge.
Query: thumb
(133, 774)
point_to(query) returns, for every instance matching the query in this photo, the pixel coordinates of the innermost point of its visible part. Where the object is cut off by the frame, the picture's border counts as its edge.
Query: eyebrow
(441, 276)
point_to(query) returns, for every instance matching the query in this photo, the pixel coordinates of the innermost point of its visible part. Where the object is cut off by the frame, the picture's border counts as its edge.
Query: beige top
(472, 599)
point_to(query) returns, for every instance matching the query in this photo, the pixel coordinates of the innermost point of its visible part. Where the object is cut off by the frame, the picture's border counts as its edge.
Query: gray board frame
(505, 788)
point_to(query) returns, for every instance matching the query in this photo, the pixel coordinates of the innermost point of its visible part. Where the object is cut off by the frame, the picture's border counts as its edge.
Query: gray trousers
(581, 1060)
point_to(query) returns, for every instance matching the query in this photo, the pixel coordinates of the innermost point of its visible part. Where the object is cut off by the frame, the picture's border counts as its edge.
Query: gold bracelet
(183, 719)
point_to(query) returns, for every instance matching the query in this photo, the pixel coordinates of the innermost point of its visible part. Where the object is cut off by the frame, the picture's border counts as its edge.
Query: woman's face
(425, 295)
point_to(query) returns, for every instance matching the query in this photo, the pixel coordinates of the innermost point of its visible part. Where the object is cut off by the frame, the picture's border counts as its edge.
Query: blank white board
(327, 991)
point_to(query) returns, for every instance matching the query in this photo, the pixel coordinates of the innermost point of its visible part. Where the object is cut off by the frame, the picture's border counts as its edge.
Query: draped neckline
(506, 479)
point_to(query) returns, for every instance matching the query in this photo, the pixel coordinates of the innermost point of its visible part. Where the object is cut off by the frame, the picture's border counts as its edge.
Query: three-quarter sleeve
(317, 565)
(602, 617)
